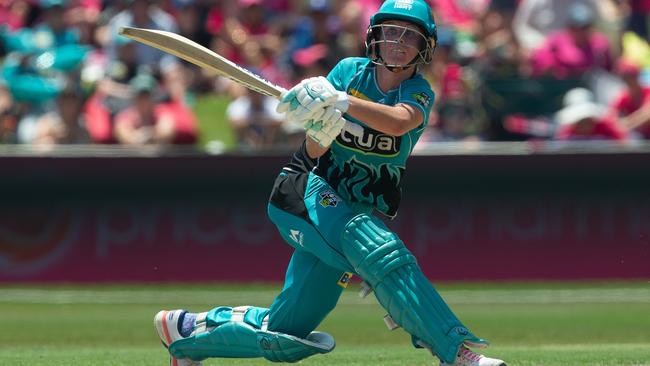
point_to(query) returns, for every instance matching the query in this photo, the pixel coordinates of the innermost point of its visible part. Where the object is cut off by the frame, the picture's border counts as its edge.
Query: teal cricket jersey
(369, 169)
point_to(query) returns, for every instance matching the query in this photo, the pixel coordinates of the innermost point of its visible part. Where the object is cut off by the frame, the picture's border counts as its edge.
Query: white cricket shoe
(466, 357)
(166, 324)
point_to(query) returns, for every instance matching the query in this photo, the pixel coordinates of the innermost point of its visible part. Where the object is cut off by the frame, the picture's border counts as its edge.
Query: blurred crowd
(502, 70)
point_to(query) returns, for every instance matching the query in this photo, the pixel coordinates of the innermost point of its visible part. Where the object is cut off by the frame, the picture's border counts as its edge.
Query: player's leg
(282, 333)
(301, 234)
(382, 260)
(241, 332)
(311, 291)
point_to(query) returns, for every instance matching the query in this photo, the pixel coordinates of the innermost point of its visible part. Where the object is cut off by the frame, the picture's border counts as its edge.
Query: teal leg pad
(383, 261)
(239, 333)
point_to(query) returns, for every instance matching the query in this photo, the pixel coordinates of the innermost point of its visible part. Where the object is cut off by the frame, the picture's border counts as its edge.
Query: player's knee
(373, 250)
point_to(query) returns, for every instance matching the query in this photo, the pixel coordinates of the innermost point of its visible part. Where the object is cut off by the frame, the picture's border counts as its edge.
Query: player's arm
(314, 149)
(392, 120)
(315, 94)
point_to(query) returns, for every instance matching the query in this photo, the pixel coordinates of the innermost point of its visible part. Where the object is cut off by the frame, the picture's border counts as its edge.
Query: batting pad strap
(390, 323)
(365, 290)
(383, 261)
(200, 324)
(265, 323)
(238, 313)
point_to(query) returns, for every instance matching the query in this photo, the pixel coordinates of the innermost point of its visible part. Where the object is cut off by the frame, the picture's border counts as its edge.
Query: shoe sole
(160, 323)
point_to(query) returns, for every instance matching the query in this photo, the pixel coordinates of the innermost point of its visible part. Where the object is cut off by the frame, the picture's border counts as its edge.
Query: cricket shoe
(466, 357)
(166, 323)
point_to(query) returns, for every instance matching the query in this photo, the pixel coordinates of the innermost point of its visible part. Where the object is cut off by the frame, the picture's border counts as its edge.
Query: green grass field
(532, 324)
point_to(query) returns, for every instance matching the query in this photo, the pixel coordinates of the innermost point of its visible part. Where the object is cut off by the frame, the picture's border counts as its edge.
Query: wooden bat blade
(193, 52)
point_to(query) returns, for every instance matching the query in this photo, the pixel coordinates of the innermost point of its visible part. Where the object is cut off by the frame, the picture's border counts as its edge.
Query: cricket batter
(323, 204)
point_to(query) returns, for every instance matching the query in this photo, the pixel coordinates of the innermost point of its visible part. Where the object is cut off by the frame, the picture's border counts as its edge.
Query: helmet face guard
(398, 35)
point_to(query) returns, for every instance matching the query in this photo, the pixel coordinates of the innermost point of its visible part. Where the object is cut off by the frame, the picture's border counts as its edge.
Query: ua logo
(372, 141)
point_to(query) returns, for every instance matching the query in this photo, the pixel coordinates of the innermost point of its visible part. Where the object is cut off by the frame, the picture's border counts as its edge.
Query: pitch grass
(549, 324)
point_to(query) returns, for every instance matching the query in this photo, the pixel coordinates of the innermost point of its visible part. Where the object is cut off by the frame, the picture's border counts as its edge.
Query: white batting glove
(328, 116)
(325, 131)
(326, 136)
(319, 93)
(306, 119)
(305, 100)
(288, 100)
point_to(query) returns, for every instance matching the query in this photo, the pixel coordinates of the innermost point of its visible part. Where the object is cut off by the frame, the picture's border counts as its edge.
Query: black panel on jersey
(300, 161)
(289, 188)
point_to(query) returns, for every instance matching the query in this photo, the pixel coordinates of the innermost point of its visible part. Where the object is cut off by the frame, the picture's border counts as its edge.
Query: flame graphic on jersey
(379, 186)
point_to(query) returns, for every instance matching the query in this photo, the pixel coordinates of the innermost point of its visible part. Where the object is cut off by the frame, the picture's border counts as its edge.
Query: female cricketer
(323, 204)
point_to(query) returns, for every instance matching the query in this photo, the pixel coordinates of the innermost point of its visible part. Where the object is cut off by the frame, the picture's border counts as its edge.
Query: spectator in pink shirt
(632, 106)
(574, 50)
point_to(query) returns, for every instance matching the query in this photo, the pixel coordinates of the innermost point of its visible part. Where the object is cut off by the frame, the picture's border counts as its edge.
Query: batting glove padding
(309, 97)
(325, 132)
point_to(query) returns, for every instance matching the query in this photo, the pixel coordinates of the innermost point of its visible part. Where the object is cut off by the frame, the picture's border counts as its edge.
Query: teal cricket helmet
(416, 12)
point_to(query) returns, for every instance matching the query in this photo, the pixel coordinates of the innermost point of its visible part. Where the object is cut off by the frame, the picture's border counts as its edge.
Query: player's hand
(325, 130)
(318, 92)
(310, 97)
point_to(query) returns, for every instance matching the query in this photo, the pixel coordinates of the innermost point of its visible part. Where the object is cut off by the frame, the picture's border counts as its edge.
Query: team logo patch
(345, 279)
(328, 199)
(423, 99)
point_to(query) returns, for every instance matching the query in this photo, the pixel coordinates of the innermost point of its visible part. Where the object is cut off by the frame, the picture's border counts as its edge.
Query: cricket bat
(193, 52)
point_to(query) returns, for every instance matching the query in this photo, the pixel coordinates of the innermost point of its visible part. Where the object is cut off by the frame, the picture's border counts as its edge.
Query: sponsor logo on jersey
(404, 4)
(423, 99)
(371, 142)
(328, 199)
(345, 279)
